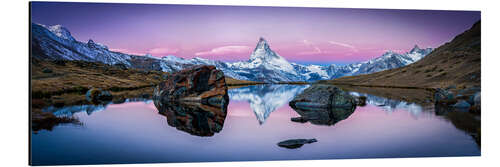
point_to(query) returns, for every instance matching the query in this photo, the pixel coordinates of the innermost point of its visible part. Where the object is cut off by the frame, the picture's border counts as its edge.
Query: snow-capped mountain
(56, 42)
(264, 57)
(264, 99)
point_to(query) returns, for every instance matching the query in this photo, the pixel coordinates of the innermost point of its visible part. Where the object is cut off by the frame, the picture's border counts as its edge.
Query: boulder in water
(323, 97)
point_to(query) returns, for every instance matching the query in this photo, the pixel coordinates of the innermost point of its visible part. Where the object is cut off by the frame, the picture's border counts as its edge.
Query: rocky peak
(262, 44)
(94, 45)
(60, 31)
(415, 49)
(262, 50)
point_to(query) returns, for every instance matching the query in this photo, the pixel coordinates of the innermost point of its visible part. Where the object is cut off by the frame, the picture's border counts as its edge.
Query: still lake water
(258, 117)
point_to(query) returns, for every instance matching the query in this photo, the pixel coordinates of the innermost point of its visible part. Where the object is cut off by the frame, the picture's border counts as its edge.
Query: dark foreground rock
(295, 143)
(361, 100)
(194, 118)
(203, 84)
(323, 105)
(96, 95)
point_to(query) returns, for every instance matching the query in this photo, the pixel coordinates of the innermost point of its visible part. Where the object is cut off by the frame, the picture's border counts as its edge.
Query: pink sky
(304, 35)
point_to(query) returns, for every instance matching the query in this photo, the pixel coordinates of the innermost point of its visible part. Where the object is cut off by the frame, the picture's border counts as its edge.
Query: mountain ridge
(264, 65)
(455, 63)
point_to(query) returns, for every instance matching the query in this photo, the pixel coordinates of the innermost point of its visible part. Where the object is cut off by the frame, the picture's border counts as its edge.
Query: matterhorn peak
(262, 45)
(94, 45)
(263, 51)
(263, 55)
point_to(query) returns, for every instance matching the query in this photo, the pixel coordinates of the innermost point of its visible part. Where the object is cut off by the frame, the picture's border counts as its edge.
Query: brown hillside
(455, 63)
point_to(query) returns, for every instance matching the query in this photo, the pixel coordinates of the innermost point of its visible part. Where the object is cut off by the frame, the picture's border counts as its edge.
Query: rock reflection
(323, 105)
(327, 117)
(194, 118)
(463, 120)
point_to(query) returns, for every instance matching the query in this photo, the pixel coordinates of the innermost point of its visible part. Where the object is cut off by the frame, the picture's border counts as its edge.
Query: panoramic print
(119, 83)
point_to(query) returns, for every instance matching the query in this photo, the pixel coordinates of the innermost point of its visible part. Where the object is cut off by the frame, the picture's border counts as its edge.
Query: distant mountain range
(456, 63)
(56, 43)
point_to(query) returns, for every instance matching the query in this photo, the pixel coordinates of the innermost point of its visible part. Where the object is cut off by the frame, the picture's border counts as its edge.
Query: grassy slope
(79, 76)
(234, 83)
(455, 63)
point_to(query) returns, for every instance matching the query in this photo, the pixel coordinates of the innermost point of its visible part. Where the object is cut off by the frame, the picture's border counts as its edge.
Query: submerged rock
(323, 105)
(295, 143)
(204, 84)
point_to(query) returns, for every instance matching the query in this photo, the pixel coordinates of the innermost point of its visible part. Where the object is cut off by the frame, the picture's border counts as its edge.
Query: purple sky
(303, 35)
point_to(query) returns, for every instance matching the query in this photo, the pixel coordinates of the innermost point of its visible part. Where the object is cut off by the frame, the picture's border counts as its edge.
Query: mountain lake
(258, 117)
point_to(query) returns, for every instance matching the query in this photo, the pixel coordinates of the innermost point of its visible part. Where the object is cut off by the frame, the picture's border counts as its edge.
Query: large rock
(204, 84)
(323, 97)
(323, 105)
(194, 118)
(295, 143)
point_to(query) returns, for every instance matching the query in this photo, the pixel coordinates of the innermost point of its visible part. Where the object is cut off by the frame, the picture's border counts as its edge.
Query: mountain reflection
(69, 111)
(265, 99)
(391, 105)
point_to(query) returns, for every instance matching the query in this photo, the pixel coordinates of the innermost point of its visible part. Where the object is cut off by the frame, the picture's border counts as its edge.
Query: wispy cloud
(223, 50)
(343, 45)
(162, 51)
(316, 49)
(153, 51)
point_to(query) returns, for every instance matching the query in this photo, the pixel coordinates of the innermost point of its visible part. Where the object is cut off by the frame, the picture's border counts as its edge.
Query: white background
(14, 80)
